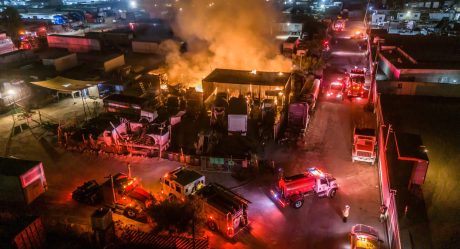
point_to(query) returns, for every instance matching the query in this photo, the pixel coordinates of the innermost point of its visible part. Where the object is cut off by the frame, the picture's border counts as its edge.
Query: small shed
(21, 181)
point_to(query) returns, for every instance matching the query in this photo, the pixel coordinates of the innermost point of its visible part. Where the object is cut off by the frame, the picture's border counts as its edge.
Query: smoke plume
(233, 34)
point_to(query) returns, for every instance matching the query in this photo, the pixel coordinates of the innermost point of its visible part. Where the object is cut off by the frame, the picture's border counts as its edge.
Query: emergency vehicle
(335, 90)
(364, 237)
(181, 182)
(292, 190)
(355, 83)
(226, 211)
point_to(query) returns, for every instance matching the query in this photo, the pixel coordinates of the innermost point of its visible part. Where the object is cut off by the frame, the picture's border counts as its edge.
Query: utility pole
(113, 188)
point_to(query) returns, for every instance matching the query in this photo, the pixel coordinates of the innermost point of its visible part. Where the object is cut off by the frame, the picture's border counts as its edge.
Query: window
(166, 182)
(323, 181)
(178, 189)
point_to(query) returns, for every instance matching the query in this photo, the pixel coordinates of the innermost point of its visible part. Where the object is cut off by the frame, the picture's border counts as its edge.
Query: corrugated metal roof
(248, 77)
(65, 85)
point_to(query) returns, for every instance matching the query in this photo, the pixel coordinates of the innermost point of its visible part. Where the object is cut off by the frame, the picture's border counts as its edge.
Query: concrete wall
(418, 88)
(114, 63)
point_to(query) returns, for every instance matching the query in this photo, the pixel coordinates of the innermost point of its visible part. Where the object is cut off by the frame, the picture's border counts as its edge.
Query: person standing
(346, 212)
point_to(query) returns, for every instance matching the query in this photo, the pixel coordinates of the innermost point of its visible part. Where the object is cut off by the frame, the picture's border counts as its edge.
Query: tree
(308, 63)
(176, 216)
(11, 21)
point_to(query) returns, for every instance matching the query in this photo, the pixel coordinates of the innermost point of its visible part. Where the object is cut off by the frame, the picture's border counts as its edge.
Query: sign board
(216, 160)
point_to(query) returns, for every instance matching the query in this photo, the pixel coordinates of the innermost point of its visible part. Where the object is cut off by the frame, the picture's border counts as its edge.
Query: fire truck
(292, 190)
(355, 83)
(226, 211)
(364, 145)
(364, 237)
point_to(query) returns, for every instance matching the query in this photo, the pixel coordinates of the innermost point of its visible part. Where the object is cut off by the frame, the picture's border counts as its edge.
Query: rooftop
(248, 77)
(410, 146)
(186, 176)
(15, 167)
(431, 52)
(98, 56)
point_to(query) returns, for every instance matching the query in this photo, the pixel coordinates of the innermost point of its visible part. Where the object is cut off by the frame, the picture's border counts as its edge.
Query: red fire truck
(292, 190)
(355, 83)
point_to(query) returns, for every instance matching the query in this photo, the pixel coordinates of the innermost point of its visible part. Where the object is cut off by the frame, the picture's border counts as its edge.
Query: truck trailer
(298, 119)
(291, 190)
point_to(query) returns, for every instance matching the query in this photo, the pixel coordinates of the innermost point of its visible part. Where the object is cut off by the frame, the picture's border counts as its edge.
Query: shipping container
(21, 181)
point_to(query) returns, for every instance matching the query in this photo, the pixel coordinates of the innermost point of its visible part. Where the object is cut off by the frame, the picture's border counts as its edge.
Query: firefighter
(383, 213)
(346, 212)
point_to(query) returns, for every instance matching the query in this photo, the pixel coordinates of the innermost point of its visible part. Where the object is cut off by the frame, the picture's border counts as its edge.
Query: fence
(206, 163)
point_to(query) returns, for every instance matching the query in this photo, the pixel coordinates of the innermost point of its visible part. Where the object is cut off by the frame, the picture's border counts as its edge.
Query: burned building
(256, 84)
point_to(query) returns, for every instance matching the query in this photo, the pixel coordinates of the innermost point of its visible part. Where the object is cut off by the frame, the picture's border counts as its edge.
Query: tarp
(65, 85)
